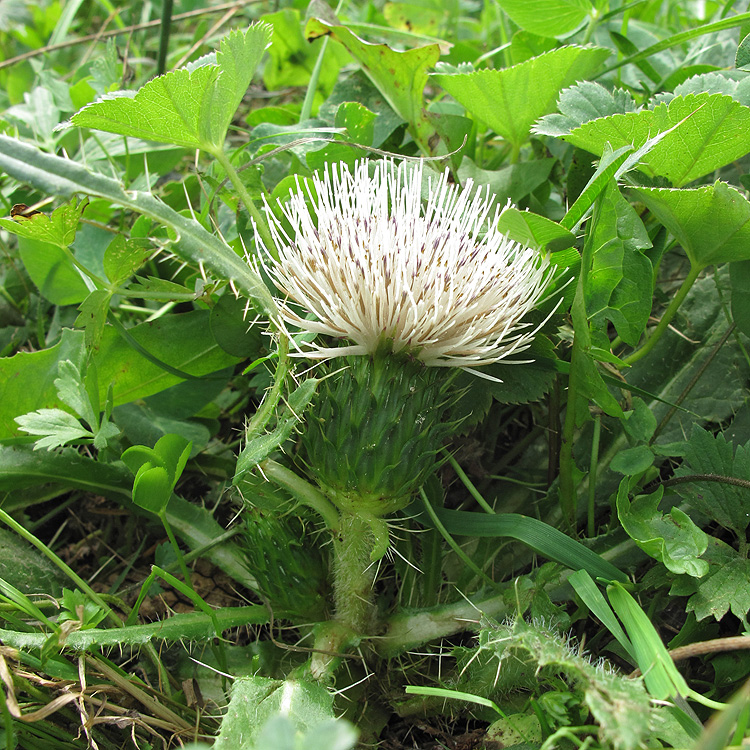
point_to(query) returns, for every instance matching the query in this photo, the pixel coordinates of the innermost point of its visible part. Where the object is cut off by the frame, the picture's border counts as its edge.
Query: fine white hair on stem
(371, 262)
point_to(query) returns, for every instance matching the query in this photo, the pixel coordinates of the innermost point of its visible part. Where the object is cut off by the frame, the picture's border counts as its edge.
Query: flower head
(373, 265)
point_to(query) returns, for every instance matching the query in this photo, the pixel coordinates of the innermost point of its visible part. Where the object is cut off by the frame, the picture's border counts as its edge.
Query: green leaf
(714, 130)
(550, 18)
(57, 229)
(513, 182)
(231, 331)
(726, 504)
(152, 488)
(592, 597)
(58, 428)
(399, 76)
(620, 283)
(191, 107)
(545, 539)
(259, 447)
(72, 391)
(672, 539)
(533, 230)
(256, 700)
(93, 316)
(742, 58)
(357, 121)
(123, 258)
(26, 568)
(633, 461)
(500, 98)
(722, 589)
(50, 268)
(710, 222)
(182, 341)
(581, 103)
(662, 679)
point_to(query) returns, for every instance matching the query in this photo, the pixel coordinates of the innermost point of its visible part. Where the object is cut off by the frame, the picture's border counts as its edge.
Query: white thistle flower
(438, 281)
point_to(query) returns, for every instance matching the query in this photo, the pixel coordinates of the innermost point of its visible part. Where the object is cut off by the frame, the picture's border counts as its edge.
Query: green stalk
(591, 528)
(261, 225)
(303, 491)
(353, 572)
(666, 319)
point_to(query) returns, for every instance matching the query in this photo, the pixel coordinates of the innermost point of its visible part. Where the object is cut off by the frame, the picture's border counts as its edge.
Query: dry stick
(715, 646)
(125, 30)
(224, 19)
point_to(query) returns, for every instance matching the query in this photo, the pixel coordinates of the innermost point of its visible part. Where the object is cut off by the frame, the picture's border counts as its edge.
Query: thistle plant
(403, 295)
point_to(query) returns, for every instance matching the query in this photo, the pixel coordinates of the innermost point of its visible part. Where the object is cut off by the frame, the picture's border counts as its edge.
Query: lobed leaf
(191, 107)
(500, 98)
(710, 222)
(714, 130)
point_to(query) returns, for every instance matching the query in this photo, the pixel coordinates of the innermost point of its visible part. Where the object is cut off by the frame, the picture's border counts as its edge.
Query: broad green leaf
(27, 380)
(182, 341)
(512, 183)
(256, 700)
(399, 76)
(524, 382)
(710, 222)
(123, 258)
(672, 539)
(357, 121)
(500, 98)
(152, 489)
(26, 568)
(620, 283)
(533, 230)
(714, 130)
(633, 461)
(59, 228)
(191, 107)
(581, 103)
(722, 589)
(724, 503)
(57, 428)
(545, 539)
(550, 18)
(639, 422)
(50, 268)
(232, 332)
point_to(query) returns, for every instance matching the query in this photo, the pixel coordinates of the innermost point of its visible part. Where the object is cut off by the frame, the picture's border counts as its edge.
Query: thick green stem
(666, 319)
(354, 573)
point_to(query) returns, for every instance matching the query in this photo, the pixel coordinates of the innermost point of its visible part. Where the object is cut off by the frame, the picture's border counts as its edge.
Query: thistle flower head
(373, 265)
